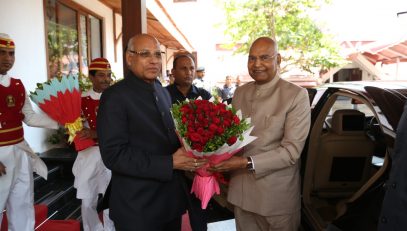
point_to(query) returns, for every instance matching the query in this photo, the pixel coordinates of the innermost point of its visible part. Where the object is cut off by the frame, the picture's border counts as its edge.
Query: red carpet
(41, 213)
(60, 225)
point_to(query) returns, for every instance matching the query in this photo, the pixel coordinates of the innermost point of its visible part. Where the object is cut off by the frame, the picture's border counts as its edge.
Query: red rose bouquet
(210, 130)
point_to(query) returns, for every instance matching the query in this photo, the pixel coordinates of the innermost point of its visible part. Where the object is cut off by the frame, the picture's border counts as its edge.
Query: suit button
(393, 185)
(156, 98)
(162, 114)
(383, 220)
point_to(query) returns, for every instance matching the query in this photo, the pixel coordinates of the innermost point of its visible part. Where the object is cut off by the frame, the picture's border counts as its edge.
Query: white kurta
(16, 187)
(91, 175)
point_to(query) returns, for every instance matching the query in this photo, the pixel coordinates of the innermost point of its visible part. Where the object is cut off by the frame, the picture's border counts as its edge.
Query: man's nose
(9, 55)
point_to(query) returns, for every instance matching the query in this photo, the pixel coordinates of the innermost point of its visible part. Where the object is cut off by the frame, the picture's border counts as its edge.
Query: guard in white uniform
(17, 160)
(91, 175)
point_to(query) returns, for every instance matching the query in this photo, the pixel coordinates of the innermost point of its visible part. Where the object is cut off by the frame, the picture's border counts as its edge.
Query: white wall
(23, 20)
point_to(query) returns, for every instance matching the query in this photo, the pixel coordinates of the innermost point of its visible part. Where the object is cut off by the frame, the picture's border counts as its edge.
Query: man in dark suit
(138, 143)
(183, 70)
(394, 210)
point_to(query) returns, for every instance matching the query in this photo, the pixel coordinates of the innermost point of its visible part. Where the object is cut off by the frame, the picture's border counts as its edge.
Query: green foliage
(84, 82)
(301, 42)
(58, 137)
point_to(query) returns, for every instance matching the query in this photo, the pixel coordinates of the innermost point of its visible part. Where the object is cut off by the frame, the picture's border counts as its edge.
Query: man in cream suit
(265, 181)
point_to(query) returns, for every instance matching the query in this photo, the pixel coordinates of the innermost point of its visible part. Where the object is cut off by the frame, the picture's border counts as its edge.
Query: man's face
(144, 59)
(228, 81)
(200, 74)
(184, 71)
(7, 59)
(101, 80)
(263, 61)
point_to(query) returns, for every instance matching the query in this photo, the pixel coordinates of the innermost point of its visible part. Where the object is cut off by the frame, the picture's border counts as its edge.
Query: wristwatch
(249, 165)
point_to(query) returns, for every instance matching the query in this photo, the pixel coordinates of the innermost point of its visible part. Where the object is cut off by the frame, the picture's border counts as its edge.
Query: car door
(338, 165)
(363, 212)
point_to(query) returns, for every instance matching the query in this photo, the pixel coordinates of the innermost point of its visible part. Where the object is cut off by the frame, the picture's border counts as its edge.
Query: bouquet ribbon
(73, 128)
(206, 183)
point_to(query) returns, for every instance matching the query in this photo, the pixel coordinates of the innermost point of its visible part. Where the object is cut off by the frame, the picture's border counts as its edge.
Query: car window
(344, 102)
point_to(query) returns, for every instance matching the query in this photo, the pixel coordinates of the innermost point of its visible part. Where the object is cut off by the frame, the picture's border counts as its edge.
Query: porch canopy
(386, 53)
(159, 24)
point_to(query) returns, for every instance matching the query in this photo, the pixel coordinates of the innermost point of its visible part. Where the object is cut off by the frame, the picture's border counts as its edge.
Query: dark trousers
(198, 217)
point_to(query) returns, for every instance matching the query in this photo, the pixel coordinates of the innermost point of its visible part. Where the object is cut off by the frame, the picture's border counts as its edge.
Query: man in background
(91, 175)
(183, 71)
(200, 80)
(17, 160)
(228, 89)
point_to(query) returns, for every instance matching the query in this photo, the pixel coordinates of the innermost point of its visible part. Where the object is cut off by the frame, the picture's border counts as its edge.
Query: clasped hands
(181, 160)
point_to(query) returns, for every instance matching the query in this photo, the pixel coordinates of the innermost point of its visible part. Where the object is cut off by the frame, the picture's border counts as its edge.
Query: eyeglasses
(147, 54)
(263, 58)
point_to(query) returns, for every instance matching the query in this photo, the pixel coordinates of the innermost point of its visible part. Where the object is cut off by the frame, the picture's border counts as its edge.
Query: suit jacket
(394, 210)
(280, 113)
(137, 139)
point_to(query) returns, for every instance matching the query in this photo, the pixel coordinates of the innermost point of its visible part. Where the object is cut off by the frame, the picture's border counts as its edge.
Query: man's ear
(278, 59)
(128, 59)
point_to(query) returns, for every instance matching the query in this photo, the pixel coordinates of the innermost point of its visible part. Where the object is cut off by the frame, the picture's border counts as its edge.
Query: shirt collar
(5, 80)
(94, 95)
(269, 84)
(141, 83)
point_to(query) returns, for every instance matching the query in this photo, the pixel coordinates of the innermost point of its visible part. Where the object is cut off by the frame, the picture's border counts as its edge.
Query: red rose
(213, 127)
(227, 123)
(191, 129)
(236, 119)
(198, 147)
(200, 117)
(232, 140)
(200, 130)
(195, 137)
(216, 120)
(220, 130)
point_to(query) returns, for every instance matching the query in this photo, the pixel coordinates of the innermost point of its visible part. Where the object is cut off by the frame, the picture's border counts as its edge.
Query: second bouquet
(210, 130)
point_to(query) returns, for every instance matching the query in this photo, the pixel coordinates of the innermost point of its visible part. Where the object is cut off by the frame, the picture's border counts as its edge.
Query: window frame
(80, 11)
